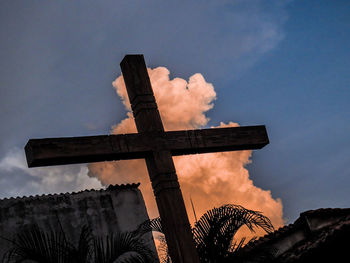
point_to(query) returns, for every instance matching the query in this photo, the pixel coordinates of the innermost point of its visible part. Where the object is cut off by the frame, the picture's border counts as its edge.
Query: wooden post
(160, 164)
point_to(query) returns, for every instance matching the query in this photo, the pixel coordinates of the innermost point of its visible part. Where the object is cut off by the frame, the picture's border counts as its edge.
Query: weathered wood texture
(57, 151)
(160, 164)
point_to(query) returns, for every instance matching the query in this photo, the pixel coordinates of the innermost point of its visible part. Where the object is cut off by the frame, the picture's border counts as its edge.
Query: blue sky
(285, 64)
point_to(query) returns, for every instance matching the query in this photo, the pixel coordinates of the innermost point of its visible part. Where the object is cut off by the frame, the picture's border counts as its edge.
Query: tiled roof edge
(297, 224)
(326, 212)
(270, 237)
(109, 188)
(122, 186)
(323, 235)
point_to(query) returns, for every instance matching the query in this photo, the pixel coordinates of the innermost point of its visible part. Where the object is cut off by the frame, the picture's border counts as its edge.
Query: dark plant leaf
(215, 230)
(125, 246)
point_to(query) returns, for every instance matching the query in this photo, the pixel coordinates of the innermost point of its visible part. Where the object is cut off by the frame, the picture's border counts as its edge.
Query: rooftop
(308, 238)
(111, 187)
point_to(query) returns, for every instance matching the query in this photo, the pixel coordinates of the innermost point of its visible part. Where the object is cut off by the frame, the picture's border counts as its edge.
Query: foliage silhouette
(213, 235)
(124, 247)
(51, 246)
(215, 231)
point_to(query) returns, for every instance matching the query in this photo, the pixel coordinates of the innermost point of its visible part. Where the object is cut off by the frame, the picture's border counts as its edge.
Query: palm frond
(50, 246)
(83, 252)
(149, 226)
(215, 230)
(124, 247)
(156, 225)
(39, 246)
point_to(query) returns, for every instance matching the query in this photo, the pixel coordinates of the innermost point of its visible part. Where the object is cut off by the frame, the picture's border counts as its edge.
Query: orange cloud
(210, 179)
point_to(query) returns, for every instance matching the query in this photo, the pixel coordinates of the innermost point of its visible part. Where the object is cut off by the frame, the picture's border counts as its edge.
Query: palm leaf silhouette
(215, 230)
(51, 246)
(39, 246)
(122, 247)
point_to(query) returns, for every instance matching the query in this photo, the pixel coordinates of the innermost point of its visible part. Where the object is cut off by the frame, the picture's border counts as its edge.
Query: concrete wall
(119, 208)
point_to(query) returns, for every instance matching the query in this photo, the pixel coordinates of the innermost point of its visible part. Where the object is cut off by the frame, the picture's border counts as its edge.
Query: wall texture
(118, 208)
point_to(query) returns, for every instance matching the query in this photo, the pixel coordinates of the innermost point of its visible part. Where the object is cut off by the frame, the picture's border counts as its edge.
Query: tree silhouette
(215, 231)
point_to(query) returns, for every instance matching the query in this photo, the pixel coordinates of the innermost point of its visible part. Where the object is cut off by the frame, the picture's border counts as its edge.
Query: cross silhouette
(156, 146)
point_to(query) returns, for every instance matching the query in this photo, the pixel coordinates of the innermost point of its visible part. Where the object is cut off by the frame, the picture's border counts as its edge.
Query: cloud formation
(210, 179)
(55, 179)
(216, 38)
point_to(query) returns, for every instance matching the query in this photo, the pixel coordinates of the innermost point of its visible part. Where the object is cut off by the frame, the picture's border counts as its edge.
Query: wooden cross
(156, 146)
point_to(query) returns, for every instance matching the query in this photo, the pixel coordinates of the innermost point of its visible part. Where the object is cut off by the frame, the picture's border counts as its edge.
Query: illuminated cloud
(209, 179)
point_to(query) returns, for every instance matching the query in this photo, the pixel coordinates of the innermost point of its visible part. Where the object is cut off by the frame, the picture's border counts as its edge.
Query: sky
(284, 64)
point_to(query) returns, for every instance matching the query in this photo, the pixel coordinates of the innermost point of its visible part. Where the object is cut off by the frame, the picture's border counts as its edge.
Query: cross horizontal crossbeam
(70, 150)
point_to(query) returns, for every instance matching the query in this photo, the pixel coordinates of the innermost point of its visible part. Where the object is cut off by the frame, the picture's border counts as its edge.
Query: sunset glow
(211, 179)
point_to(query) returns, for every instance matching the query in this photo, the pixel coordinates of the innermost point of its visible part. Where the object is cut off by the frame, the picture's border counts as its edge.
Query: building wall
(119, 208)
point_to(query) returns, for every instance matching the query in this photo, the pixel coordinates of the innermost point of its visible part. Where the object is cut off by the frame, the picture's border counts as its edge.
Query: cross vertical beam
(159, 163)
